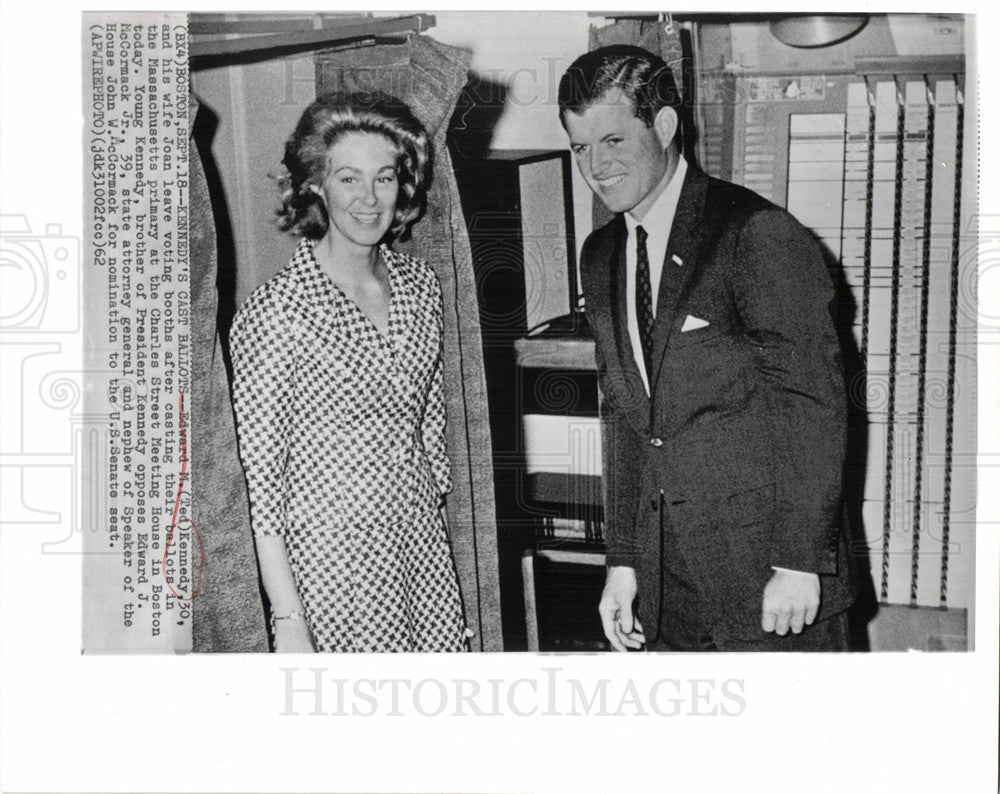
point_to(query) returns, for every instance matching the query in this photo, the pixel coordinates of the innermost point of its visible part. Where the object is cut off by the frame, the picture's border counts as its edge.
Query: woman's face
(361, 187)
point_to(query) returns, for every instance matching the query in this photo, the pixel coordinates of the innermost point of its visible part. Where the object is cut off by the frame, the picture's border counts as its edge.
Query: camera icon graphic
(41, 275)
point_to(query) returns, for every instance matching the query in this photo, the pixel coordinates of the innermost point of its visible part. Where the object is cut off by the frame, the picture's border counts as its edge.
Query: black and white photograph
(628, 366)
(447, 429)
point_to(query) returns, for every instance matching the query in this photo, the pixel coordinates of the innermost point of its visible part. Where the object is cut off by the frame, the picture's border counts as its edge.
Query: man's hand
(620, 626)
(791, 601)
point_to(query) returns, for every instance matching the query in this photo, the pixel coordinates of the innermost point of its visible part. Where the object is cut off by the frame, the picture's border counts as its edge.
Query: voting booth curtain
(229, 613)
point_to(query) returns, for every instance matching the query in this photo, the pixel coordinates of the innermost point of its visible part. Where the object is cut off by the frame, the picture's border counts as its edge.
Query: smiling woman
(336, 118)
(361, 189)
(338, 394)
(359, 195)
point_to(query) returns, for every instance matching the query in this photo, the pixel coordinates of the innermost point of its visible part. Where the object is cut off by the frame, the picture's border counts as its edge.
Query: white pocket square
(692, 323)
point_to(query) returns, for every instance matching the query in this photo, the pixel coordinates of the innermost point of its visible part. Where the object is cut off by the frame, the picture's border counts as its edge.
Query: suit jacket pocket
(696, 337)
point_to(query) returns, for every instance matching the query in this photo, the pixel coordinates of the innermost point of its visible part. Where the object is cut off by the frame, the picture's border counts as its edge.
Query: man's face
(621, 158)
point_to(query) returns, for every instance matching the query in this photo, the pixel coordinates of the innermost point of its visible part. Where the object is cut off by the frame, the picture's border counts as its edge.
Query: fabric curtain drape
(429, 76)
(652, 36)
(228, 610)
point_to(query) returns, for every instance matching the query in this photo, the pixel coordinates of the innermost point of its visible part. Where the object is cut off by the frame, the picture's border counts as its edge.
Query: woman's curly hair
(307, 163)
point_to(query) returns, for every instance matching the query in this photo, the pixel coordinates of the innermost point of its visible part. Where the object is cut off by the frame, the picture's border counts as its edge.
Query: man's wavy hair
(644, 78)
(307, 162)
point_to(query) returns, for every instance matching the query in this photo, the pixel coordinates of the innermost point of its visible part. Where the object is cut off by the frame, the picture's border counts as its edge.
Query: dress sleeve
(263, 367)
(432, 432)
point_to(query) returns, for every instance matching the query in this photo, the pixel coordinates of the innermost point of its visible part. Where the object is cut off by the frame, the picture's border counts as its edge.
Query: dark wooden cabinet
(518, 210)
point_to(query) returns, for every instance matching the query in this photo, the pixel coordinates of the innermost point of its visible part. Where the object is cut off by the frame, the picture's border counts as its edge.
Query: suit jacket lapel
(618, 301)
(679, 264)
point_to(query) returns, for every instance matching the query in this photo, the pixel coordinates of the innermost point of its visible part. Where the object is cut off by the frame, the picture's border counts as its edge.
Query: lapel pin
(677, 259)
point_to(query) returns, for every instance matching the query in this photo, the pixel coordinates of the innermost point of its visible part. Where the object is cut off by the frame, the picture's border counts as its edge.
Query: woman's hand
(292, 635)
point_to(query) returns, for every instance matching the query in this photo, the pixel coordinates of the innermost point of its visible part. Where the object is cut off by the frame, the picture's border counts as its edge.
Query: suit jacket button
(656, 442)
(654, 503)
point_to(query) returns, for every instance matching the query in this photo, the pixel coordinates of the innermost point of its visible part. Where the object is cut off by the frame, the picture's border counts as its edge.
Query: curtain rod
(312, 38)
(202, 24)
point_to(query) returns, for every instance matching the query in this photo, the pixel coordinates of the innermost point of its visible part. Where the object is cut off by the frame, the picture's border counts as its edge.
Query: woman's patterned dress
(341, 433)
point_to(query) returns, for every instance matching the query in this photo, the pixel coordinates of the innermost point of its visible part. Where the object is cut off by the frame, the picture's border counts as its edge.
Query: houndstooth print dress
(341, 432)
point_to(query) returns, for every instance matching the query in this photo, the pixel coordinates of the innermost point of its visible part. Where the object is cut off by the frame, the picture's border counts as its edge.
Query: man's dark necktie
(644, 302)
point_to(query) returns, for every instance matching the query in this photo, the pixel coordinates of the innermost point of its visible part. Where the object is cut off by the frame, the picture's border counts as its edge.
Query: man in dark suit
(724, 400)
